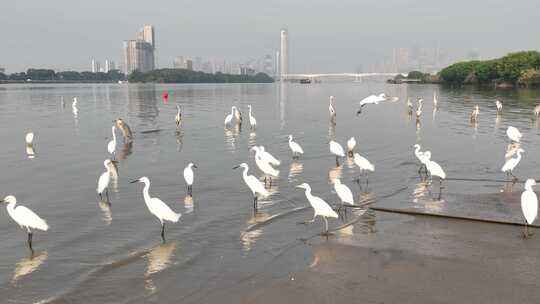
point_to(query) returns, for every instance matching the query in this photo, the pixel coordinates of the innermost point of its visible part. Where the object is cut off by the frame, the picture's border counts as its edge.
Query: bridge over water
(353, 76)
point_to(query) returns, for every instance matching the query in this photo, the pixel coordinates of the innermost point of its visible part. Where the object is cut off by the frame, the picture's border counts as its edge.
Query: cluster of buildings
(139, 54)
(97, 67)
(263, 64)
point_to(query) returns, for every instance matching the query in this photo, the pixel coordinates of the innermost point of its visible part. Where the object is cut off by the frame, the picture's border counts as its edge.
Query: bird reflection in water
(158, 259)
(188, 204)
(230, 137)
(30, 152)
(107, 213)
(113, 169)
(295, 169)
(179, 140)
(334, 173)
(126, 151)
(29, 264)
(252, 141)
(249, 238)
(534, 123)
(331, 131)
(497, 120)
(435, 110)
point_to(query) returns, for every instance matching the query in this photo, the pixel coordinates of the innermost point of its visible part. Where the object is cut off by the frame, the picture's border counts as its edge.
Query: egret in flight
(529, 205)
(188, 177)
(372, 99)
(337, 150)
(104, 180)
(295, 148)
(332, 111)
(344, 193)
(499, 105)
(320, 207)
(25, 217)
(511, 163)
(178, 117)
(256, 187)
(269, 158)
(157, 207)
(252, 120)
(125, 129)
(111, 146)
(513, 134)
(351, 143)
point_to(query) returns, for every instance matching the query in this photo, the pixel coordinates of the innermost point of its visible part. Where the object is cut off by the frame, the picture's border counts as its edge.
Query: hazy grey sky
(325, 35)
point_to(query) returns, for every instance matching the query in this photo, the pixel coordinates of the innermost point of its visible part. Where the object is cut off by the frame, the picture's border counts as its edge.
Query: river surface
(96, 252)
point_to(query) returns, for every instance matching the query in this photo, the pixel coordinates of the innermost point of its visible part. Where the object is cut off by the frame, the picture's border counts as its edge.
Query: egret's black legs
(107, 194)
(30, 241)
(255, 203)
(337, 161)
(190, 190)
(163, 231)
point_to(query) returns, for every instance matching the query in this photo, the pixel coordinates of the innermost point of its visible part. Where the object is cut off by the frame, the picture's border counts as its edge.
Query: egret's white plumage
(433, 167)
(252, 120)
(372, 99)
(363, 163)
(351, 143)
(104, 179)
(419, 154)
(111, 146)
(29, 138)
(269, 158)
(474, 113)
(229, 117)
(24, 217)
(256, 187)
(189, 176)
(419, 109)
(263, 165)
(513, 134)
(536, 111)
(157, 207)
(320, 207)
(435, 101)
(178, 117)
(295, 147)
(499, 106)
(343, 192)
(511, 163)
(529, 204)
(74, 103)
(332, 110)
(337, 150)
(410, 106)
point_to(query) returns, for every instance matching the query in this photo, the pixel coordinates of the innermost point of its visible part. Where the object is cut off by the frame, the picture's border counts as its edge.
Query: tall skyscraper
(148, 35)
(140, 54)
(95, 66)
(284, 55)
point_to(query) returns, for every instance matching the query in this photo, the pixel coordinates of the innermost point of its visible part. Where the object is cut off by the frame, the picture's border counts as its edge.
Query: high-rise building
(183, 63)
(95, 66)
(109, 66)
(140, 54)
(284, 55)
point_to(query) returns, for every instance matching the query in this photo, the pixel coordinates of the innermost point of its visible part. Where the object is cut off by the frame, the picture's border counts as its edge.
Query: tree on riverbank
(188, 76)
(521, 68)
(48, 75)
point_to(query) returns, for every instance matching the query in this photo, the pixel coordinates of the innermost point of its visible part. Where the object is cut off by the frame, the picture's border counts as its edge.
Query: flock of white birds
(266, 162)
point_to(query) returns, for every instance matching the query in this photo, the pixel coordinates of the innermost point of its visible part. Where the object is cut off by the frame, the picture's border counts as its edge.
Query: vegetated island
(520, 69)
(50, 76)
(188, 76)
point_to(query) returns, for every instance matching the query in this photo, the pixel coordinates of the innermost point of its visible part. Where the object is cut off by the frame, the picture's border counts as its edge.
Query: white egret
(252, 120)
(332, 111)
(419, 109)
(125, 129)
(409, 106)
(337, 150)
(372, 99)
(157, 207)
(74, 103)
(264, 166)
(188, 177)
(511, 150)
(344, 193)
(529, 205)
(513, 134)
(536, 111)
(104, 180)
(238, 116)
(474, 113)
(421, 157)
(269, 158)
(29, 138)
(178, 117)
(435, 101)
(111, 146)
(229, 117)
(295, 147)
(363, 164)
(256, 187)
(499, 105)
(511, 163)
(320, 207)
(25, 217)
(434, 168)
(351, 143)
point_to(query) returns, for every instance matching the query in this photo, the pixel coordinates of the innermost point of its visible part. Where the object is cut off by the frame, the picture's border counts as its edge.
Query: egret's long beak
(359, 112)
(236, 167)
(195, 166)
(300, 187)
(134, 181)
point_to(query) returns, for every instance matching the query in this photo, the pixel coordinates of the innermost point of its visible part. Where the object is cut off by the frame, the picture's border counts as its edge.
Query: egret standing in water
(104, 180)
(419, 109)
(295, 148)
(178, 117)
(125, 129)
(513, 134)
(344, 193)
(111, 146)
(410, 107)
(256, 187)
(238, 116)
(337, 150)
(332, 111)
(351, 143)
(269, 158)
(511, 163)
(372, 99)
(25, 217)
(157, 207)
(536, 111)
(434, 168)
(364, 165)
(421, 157)
(252, 120)
(320, 207)
(435, 101)
(498, 104)
(264, 166)
(29, 138)
(188, 177)
(474, 113)
(229, 118)
(529, 205)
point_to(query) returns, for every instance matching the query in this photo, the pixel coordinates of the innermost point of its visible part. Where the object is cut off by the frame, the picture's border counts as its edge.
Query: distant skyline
(324, 36)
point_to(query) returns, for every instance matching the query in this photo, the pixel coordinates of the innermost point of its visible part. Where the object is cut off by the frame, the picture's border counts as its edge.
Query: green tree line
(68, 76)
(188, 76)
(521, 68)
